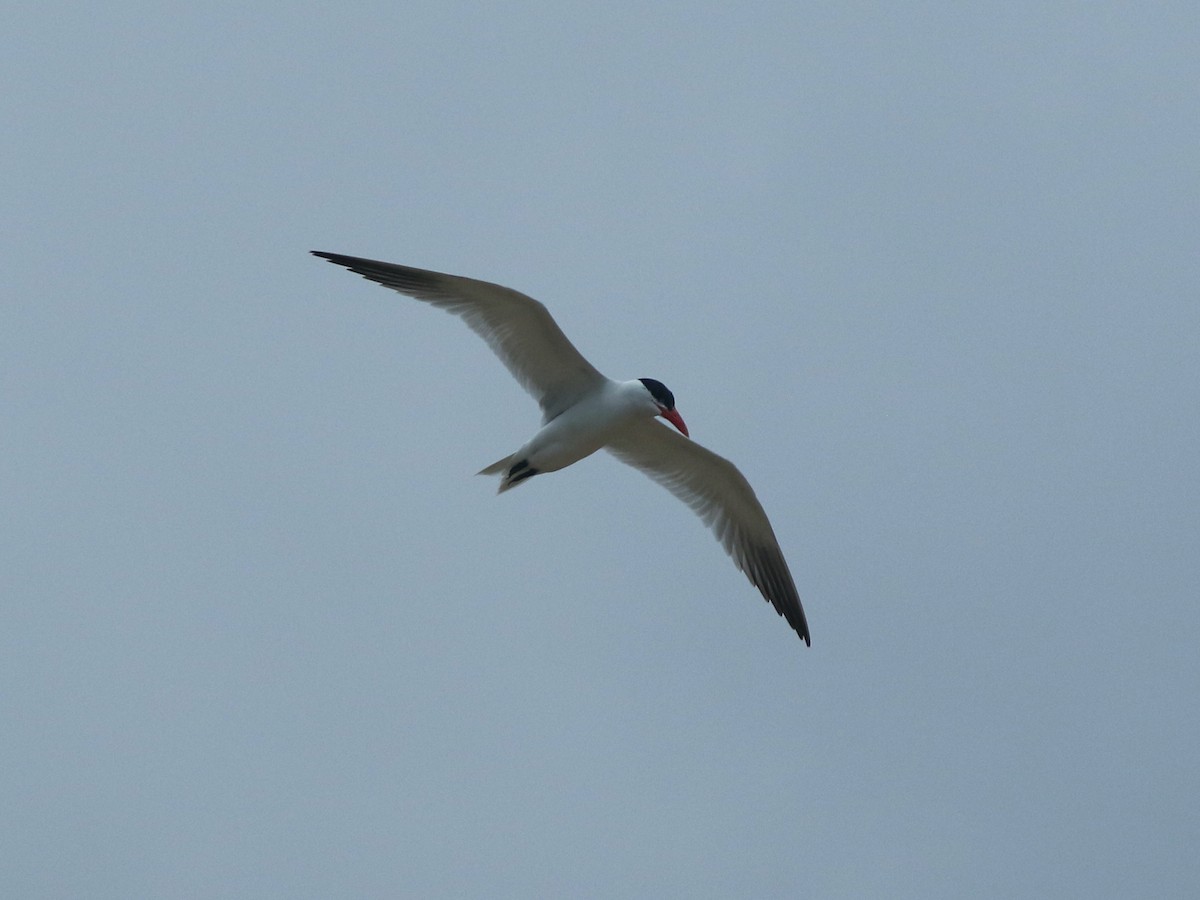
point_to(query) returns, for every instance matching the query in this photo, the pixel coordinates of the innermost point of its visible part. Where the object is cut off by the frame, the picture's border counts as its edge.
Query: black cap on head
(659, 392)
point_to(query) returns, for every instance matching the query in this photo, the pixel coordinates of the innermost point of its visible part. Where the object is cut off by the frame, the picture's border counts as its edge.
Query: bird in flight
(583, 411)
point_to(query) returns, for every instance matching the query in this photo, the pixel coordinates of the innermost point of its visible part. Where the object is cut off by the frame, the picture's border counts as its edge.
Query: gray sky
(928, 273)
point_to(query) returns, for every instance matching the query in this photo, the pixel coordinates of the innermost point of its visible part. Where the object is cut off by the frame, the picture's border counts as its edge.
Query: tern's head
(664, 400)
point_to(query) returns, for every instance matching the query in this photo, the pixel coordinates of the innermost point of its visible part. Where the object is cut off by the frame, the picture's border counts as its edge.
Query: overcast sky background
(928, 273)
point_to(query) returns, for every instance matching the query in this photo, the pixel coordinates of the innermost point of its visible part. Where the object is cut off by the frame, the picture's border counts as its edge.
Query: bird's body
(583, 411)
(578, 431)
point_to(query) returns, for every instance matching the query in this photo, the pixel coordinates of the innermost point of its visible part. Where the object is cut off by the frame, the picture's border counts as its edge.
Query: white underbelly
(578, 432)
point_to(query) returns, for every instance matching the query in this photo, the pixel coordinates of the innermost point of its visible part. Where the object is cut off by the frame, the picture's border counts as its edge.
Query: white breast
(585, 427)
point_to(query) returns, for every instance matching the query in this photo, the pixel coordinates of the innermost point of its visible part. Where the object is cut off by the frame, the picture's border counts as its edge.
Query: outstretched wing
(720, 495)
(518, 328)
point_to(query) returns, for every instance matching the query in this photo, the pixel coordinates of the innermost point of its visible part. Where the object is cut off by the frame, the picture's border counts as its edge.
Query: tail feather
(497, 467)
(512, 471)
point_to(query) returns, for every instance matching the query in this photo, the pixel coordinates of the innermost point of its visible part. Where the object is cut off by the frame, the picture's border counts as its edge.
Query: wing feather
(722, 497)
(519, 329)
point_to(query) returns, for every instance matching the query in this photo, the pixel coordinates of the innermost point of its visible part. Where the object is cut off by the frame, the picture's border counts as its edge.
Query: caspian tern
(583, 411)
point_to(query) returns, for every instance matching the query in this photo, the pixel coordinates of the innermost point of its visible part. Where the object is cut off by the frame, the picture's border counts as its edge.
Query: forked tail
(512, 471)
